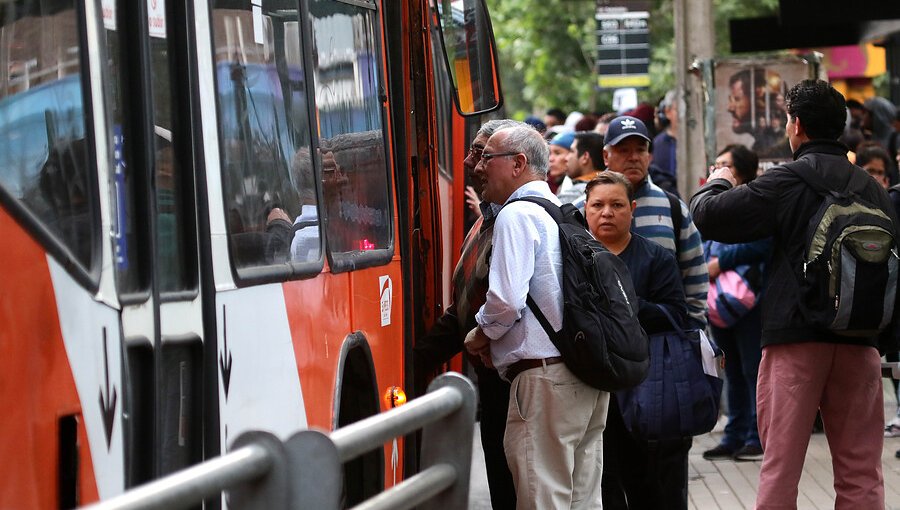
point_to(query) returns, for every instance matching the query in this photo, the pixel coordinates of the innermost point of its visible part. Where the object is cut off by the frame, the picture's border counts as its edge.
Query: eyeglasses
(475, 151)
(487, 156)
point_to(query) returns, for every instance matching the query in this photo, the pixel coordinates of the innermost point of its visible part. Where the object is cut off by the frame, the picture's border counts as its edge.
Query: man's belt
(527, 364)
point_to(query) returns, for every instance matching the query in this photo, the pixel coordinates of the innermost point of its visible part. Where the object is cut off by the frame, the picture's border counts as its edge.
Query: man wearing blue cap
(627, 151)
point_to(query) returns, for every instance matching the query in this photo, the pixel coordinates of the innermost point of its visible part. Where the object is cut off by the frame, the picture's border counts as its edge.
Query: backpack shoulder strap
(856, 183)
(556, 213)
(552, 209)
(675, 212)
(804, 171)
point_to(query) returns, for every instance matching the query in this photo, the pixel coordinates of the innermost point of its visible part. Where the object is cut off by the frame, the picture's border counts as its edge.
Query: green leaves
(547, 50)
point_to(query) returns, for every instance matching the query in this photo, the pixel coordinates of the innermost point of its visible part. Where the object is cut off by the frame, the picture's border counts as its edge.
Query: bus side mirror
(470, 54)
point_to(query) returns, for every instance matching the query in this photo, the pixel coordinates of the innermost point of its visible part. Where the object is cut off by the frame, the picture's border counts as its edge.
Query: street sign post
(623, 46)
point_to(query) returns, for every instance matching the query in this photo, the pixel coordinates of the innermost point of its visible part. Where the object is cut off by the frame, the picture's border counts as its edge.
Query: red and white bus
(219, 217)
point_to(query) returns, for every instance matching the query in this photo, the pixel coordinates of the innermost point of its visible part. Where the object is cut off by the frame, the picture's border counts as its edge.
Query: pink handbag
(729, 298)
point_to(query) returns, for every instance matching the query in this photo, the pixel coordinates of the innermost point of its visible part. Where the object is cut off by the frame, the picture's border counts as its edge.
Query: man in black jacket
(804, 368)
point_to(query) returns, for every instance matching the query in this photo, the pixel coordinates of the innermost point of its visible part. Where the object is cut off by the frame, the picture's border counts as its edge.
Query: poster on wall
(750, 103)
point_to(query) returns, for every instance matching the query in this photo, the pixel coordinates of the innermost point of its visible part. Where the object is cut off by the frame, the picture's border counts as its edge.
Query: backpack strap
(675, 326)
(556, 213)
(539, 315)
(675, 213)
(552, 209)
(856, 183)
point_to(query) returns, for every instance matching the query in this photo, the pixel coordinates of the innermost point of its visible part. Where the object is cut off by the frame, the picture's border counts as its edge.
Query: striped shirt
(653, 220)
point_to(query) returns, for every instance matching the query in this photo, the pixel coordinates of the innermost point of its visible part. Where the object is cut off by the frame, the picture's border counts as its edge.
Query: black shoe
(749, 452)
(897, 454)
(720, 452)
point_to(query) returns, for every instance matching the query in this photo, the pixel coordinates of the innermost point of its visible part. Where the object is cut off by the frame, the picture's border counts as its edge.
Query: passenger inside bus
(296, 240)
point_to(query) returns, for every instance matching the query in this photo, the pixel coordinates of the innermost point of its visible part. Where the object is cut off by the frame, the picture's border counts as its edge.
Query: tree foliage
(547, 50)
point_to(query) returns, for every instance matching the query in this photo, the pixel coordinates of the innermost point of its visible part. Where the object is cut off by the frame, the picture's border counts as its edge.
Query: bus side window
(44, 164)
(352, 147)
(268, 176)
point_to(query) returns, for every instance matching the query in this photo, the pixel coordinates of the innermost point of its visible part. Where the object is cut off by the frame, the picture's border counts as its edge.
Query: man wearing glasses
(555, 422)
(445, 339)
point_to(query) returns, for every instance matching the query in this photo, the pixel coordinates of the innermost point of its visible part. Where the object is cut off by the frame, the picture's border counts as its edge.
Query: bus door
(154, 242)
(99, 281)
(301, 218)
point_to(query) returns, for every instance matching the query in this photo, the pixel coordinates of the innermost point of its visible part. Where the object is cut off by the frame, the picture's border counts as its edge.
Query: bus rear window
(43, 152)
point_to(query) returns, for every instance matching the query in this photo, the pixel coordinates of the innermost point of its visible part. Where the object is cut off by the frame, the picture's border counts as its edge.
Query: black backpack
(601, 340)
(848, 280)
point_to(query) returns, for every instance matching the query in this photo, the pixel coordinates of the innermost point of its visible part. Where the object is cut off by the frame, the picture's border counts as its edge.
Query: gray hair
(669, 99)
(525, 139)
(492, 126)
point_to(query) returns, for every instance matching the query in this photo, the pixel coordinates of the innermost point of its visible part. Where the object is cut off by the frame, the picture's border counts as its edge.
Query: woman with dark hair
(872, 158)
(637, 474)
(739, 340)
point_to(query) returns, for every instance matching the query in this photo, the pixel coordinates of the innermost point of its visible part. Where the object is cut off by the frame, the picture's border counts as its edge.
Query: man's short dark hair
(745, 162)
(610, 177)
(870, 152)
(820, 108)
(592, 143)
(559, 114)
(854, 104)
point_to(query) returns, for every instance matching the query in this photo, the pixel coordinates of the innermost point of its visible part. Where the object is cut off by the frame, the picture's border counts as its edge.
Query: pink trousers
(844, 382)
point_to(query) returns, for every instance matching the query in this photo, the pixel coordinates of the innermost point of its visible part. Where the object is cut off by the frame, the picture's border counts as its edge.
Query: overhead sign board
(623, 47)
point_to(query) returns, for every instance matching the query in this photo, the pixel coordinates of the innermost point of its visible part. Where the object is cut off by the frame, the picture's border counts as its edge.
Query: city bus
(221, 216)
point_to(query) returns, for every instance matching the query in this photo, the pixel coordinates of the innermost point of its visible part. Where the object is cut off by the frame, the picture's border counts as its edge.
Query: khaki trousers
(554, 439)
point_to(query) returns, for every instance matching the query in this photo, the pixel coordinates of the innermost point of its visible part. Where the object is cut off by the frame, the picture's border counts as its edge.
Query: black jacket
(780, 204)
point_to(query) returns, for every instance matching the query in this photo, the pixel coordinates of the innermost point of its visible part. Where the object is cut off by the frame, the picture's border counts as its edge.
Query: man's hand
(473, 200)
(277, 214)
(724, 173)
(713, 267)
(478, 344)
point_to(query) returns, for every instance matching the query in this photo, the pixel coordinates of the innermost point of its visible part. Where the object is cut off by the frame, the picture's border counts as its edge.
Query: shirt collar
(533, 188)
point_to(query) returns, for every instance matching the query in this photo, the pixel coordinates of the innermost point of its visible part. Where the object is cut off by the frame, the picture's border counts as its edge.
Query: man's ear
(586, 159)
(799, 127)
(605, 157)
(521, 162)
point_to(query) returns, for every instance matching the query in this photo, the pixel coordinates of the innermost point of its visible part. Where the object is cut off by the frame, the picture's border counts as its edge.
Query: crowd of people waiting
(551, 441)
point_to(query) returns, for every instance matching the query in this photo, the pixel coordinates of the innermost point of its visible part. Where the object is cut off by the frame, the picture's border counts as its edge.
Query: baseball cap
(623, 127)
(536, 123)
(564, 140)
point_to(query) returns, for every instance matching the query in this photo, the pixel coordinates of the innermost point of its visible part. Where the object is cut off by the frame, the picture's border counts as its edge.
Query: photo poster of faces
(750, 105)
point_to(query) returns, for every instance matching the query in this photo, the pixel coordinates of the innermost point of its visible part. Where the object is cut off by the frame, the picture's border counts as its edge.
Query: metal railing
(305, 471)
(890, 369)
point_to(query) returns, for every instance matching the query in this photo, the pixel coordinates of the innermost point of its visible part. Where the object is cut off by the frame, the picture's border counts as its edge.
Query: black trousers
(493, 393)
(641, 475)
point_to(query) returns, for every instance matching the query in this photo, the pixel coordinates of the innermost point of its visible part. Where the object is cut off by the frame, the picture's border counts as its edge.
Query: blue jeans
(742, 355)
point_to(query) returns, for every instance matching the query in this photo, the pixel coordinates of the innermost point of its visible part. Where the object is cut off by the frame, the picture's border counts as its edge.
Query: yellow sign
(621, 81)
